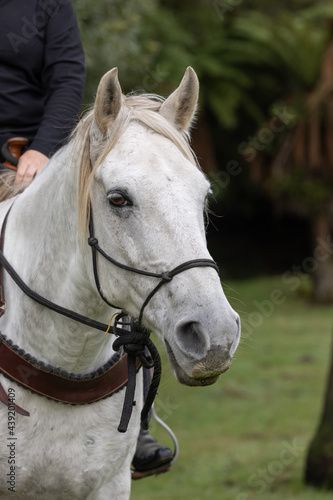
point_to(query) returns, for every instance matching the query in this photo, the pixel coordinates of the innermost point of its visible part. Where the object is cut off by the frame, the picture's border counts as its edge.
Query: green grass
(246, 437)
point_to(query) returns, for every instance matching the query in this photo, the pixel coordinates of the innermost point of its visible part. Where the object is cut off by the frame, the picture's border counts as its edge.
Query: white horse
(129, 158)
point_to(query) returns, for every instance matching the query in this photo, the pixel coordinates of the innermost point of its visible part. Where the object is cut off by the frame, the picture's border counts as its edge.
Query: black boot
(149, 453)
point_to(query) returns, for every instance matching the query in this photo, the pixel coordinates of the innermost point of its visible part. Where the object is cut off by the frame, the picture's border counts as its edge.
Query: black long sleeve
(42, 71)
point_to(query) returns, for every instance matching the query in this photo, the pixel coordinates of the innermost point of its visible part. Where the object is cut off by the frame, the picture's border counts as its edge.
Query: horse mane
(7, 188)
(142, 108)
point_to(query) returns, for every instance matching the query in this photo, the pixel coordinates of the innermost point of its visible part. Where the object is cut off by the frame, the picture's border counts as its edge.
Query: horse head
(148, 199)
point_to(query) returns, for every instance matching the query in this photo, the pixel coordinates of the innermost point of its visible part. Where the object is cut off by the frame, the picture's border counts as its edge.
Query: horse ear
(108, 100)
(179, 108)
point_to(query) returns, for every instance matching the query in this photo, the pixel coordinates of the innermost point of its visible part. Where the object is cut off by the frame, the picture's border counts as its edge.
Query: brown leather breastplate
(62, 387)
(46, 381)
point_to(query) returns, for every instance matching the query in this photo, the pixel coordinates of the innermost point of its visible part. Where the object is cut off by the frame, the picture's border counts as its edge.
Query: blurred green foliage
(110, 32)
(303, 195)
(250, 56)
(246, 52)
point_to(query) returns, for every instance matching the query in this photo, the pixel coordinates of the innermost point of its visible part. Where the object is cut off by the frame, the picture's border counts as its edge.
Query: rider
(42, 77)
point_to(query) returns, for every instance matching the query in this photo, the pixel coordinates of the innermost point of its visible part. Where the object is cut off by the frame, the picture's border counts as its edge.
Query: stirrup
(136, 474)
(165, 467)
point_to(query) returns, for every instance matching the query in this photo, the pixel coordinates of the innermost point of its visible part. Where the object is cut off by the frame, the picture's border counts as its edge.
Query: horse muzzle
(198, 358)
(205, 371)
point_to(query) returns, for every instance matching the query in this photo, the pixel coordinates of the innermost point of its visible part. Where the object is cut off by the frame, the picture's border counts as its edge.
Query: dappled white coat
(67, 452)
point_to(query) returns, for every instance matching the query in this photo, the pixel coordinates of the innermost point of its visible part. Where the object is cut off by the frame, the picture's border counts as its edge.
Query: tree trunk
(319, 463)
(323, 270)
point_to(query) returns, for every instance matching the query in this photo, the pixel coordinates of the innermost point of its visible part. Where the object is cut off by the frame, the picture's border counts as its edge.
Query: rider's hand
(30, 163)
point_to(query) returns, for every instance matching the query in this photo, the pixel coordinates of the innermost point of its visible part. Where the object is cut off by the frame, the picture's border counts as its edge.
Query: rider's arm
(63, 78)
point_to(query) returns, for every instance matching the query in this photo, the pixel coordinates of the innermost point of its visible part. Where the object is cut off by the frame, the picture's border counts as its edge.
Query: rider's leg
(149, 453)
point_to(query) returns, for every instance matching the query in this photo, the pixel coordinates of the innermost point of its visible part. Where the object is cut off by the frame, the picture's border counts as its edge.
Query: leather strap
(5, 399)
(62, 388)
(2, 291)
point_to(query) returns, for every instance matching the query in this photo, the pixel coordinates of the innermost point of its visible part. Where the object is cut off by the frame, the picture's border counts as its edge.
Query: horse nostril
(191, 340)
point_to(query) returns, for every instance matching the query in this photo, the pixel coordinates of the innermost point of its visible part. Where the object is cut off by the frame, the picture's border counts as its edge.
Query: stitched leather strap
(61, 388)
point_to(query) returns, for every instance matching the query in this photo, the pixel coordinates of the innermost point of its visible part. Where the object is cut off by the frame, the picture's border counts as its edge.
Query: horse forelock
(90, 147)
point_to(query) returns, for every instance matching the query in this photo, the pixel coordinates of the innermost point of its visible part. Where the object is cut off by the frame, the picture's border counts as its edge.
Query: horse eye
(118, 199)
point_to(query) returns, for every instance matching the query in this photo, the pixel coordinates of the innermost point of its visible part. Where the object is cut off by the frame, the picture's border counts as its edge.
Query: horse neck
(42, 244)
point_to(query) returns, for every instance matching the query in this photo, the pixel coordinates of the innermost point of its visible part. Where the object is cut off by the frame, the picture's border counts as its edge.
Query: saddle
(12, 150)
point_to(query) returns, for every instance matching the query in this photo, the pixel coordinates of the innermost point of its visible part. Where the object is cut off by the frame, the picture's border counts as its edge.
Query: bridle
(138, 332)
(164, 277)
(131, 335)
